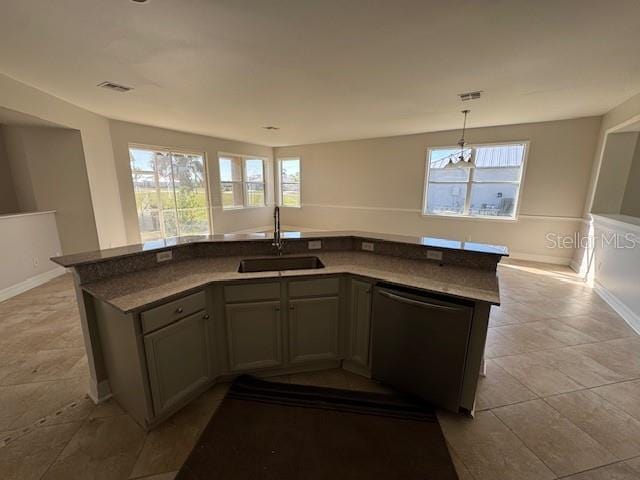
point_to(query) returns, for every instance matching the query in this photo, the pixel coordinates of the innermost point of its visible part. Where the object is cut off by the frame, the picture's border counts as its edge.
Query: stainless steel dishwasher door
(419, 345)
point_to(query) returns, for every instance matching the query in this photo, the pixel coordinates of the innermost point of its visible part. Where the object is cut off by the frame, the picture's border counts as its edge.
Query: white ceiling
(19, 119)
(326, 70)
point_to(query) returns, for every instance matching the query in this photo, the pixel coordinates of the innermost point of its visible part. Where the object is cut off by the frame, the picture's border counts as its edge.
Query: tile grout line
(523, 442)
(616, 406)
(38, 382)
(133, 464)
(81, 424)
(595, 468)
(450, 445)
(22, 431)
(560, 347)
(586, 433)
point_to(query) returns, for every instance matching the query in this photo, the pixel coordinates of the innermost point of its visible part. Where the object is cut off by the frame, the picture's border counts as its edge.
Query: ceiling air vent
(114, 86)
(470, 96)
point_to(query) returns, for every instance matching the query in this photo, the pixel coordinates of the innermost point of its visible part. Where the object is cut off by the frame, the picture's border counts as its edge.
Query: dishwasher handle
(418, 303)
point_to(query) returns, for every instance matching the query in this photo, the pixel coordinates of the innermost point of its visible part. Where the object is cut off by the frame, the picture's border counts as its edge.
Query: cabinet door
(360, 313)
(254, 331)
(313, 329)
(178, 360)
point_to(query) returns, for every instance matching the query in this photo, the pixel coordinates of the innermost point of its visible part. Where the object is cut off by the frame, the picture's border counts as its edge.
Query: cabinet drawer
(165, 314)
(252, 292)
(314, 287)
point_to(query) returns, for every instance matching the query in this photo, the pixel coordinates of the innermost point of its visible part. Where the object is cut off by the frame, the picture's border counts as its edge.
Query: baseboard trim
(283, 228)
(621, 309)
(575, 266)
(99, 392)
(355, 368)
(258, 229)
(30, 283)
(444, 217)
(529, 257)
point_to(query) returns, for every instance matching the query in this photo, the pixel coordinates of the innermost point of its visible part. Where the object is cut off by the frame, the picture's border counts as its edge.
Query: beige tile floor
(561, 398)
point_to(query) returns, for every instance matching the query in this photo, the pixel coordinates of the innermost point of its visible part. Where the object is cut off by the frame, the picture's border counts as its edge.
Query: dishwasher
(419, 344)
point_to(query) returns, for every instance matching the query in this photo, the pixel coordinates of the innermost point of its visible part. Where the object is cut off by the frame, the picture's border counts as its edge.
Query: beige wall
(377, 184)
(614, 172)
(19, 167)
(123, 134)
(626, 112)
(49, 173)
(8, 198)
(96, 143)
(31, 240)
(631, 199)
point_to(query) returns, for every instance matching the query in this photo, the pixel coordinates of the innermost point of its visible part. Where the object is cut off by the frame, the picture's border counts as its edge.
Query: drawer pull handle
(277, 309)
(205, 316)
(418, 303)
(179, 310)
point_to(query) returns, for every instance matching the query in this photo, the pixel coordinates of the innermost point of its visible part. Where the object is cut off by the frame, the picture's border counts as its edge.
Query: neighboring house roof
(500, 156)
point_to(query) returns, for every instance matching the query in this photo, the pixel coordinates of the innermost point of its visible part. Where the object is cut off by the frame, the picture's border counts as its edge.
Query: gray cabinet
(360, 323)
(178, 359)
(314, 329)
(254, 333)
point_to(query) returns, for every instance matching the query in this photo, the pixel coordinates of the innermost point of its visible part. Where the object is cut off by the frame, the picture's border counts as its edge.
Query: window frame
(171, 150)
(470, 182)
(280, 183)
(244, 181)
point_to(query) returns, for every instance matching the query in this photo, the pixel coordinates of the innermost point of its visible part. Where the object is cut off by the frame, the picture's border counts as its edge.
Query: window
(289, 171)
(241, 181)
(489, 190)
(171, 193)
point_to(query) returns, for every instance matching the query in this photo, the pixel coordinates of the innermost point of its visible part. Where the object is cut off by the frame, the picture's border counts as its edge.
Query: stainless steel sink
(271, 264)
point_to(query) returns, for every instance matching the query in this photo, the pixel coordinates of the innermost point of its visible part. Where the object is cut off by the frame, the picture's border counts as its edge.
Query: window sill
(472, 217)
(235, 209)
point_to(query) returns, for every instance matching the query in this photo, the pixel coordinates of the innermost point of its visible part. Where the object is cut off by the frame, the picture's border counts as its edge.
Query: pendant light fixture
(461, 162)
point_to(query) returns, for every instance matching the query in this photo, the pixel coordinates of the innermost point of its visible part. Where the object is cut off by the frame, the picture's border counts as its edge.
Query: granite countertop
(143, 289)
(130, 250)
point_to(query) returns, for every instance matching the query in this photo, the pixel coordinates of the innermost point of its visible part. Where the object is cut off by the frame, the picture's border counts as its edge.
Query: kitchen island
(164, 321)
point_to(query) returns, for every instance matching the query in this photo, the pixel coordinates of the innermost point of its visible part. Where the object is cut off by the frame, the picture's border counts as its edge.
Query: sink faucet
(277, 240)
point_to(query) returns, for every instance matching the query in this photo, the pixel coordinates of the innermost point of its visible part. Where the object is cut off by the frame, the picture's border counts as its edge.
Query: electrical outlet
(434, 255)
(315, 245)
(164, 256)
(367, 246)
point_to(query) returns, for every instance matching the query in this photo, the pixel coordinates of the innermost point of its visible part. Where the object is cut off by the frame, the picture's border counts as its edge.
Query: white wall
(26, 244)
(49, 172)
(626, 112)
(617, 269)
(377, 185)
(98, 151)
(124, 133)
